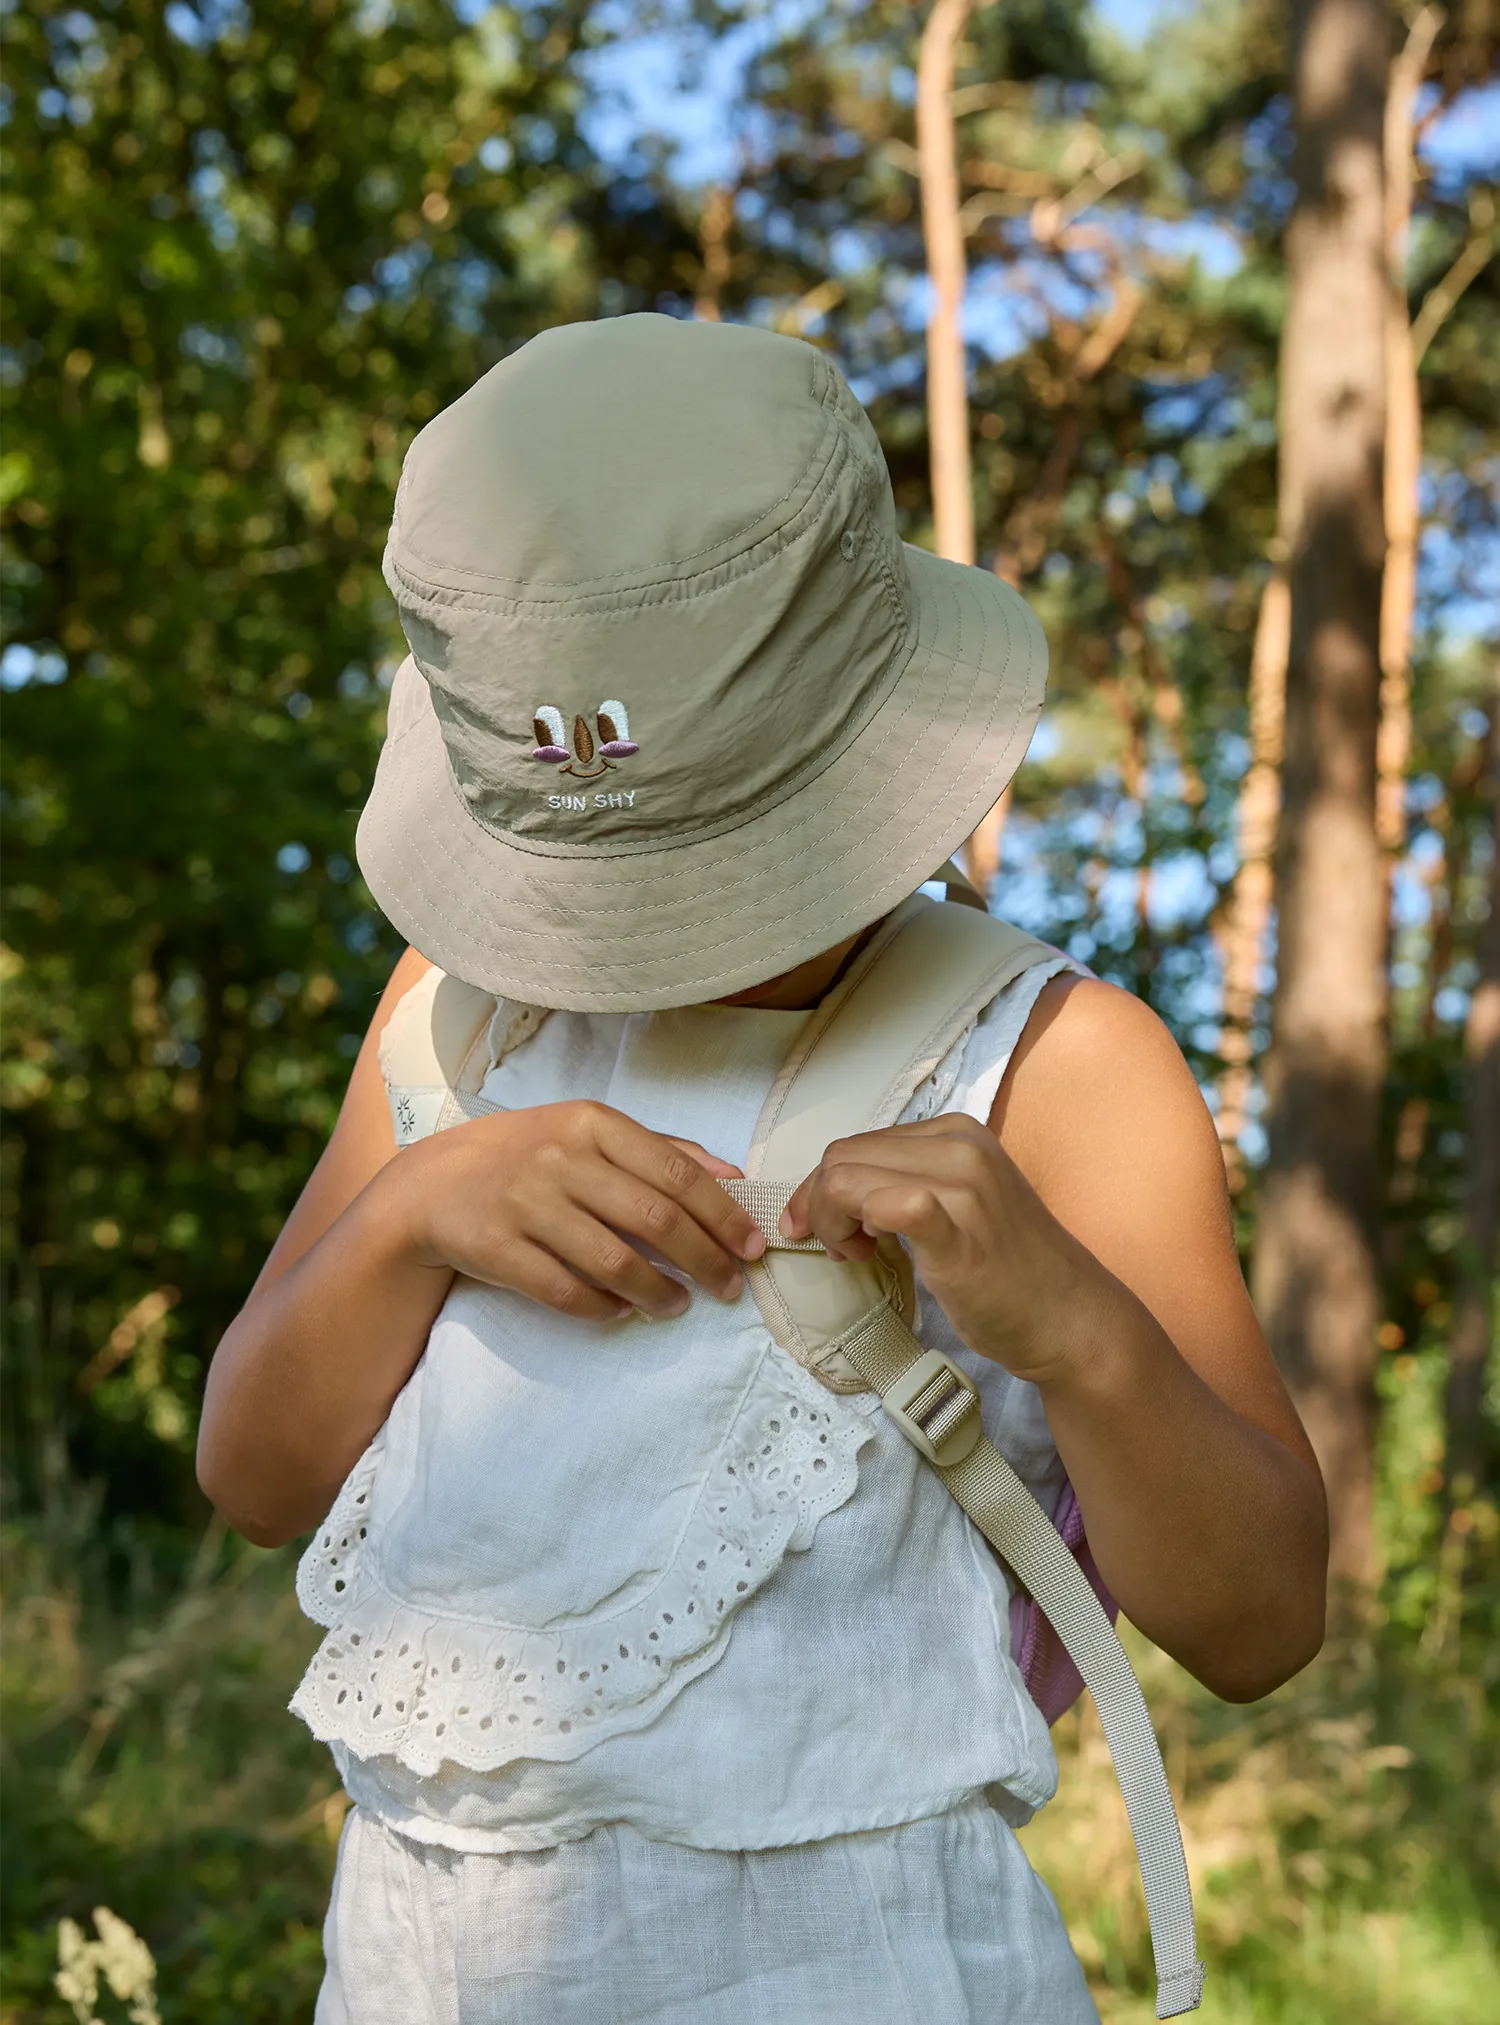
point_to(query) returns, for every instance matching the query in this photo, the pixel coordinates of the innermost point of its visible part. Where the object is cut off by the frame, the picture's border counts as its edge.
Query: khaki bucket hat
(681, 709)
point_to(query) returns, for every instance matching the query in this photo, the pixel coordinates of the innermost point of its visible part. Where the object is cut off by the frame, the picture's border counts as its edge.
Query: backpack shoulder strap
(916, 987)
(439, 1044)
(434, 1035)
(878, 1038)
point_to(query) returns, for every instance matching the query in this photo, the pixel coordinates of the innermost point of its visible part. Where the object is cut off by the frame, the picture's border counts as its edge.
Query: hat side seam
(430, 597)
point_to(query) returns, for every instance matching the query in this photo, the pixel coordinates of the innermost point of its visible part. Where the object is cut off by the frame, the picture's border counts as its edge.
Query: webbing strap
(881, 1348)
(763, 1202)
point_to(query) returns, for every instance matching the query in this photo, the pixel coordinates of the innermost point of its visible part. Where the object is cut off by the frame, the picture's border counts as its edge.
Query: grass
(1344, 1835)
(150, 1766)
(1342, 1838)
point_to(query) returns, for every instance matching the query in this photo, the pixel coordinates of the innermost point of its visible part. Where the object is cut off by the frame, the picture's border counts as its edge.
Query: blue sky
(644, 94)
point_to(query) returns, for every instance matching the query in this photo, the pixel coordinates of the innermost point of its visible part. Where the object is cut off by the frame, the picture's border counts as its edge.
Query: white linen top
(653, 1573)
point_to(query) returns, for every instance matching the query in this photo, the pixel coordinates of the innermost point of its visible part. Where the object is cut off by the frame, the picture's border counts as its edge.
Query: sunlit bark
(1403, 438)
(1244, 938)
(947, 387)
(947, 378)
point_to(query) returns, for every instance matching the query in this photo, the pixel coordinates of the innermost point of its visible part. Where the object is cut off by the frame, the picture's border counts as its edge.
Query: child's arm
(541, 1201)
(1085, 1243)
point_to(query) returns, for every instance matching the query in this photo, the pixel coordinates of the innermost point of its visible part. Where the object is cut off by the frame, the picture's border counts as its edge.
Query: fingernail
(678, 1305)
(732, 1289)
(785, 1225)
(754, 1245)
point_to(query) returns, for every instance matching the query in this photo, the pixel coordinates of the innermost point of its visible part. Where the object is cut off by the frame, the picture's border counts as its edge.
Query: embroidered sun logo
(614, 740)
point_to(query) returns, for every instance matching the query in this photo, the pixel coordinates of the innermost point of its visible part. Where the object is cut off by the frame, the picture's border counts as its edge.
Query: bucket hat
(681, 708)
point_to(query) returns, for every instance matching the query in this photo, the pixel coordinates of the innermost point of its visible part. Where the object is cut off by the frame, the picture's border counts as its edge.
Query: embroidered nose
(583, 741)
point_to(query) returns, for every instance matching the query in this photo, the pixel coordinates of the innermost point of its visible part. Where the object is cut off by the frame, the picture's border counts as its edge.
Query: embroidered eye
(615, 741)
(547, 726)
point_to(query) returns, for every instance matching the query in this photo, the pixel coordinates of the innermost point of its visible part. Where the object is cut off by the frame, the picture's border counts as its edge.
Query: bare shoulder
(1102, 1114)
(1097, 1073)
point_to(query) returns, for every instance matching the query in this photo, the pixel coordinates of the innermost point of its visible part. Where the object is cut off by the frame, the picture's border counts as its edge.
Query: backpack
(908, 997)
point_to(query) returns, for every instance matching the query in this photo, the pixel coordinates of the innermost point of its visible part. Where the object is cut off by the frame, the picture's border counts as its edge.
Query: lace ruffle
(393, 1680)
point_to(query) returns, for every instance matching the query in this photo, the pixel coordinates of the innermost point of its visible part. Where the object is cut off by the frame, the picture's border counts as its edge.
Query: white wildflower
(120, 1955)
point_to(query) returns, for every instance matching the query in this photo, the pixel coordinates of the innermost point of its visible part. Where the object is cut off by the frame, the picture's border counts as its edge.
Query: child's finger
(636, 1210)
(673, 1172)
(721, 1170)
(845, 1204)
(591, 1248)
(942, 1151)
(537, 1273)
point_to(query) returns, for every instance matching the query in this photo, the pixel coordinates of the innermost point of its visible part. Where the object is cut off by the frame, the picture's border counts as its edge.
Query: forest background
(250, 248)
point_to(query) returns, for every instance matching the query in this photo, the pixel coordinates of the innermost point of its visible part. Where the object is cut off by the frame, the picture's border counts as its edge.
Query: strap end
(1179, 1993)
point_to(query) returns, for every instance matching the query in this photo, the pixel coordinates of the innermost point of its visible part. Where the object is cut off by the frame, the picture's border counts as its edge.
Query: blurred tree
(1471, 1433)
(1316, 1268)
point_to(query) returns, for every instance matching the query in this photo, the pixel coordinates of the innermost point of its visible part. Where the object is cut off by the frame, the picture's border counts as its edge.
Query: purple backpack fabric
(1052, 1680)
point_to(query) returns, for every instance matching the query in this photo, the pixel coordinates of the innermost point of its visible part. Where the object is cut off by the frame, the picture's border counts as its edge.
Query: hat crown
(650, 573)
(601, 451)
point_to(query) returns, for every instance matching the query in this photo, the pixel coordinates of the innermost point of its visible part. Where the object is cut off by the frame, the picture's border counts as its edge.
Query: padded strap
(915, 987)
(883, 1351)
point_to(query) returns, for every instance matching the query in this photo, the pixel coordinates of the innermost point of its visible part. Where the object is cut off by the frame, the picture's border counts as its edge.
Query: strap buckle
(936, 1406)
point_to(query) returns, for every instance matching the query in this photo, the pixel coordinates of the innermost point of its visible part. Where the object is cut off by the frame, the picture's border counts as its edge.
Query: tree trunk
(1403, 439)
(1469, 1439)
(947, 378)
(1316, 1262)
(714, 227)
(1254, 881)
(942, 231)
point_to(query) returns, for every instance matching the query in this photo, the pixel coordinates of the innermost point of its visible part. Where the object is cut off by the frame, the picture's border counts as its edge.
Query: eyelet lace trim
(393, 1680)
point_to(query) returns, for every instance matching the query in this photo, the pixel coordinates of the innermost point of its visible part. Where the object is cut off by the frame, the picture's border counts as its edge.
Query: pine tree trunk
(942, 231)
(947, 378)
(1254, 882)
(1470, 1442)
(1316, 1266)
(714, 228)
(1403, 439)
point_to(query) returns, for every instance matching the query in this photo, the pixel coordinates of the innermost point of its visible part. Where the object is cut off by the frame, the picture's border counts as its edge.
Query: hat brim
(684, 924)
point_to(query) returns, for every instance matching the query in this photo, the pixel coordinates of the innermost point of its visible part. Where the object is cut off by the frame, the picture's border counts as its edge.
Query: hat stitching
(831, 428)
(951, 662)
(603, 863)
(628, 848)
(661, 590)
(817, 763)
(895, 885)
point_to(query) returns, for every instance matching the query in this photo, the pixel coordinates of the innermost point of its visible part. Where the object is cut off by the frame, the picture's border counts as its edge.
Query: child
(683, 721)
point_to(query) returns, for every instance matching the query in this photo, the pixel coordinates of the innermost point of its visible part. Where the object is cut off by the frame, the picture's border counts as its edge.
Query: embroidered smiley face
(614, 741)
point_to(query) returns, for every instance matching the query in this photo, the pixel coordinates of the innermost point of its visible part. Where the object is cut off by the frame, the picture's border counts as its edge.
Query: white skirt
(942, 1921)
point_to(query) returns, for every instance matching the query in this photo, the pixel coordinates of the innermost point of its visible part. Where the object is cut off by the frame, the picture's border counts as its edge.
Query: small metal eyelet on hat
(849, 544)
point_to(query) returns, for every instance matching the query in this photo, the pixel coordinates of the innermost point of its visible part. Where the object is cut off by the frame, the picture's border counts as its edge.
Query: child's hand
(1011, 1280)
(552, 1202)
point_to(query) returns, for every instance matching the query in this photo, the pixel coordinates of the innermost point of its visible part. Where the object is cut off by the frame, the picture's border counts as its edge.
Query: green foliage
(241, 271)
